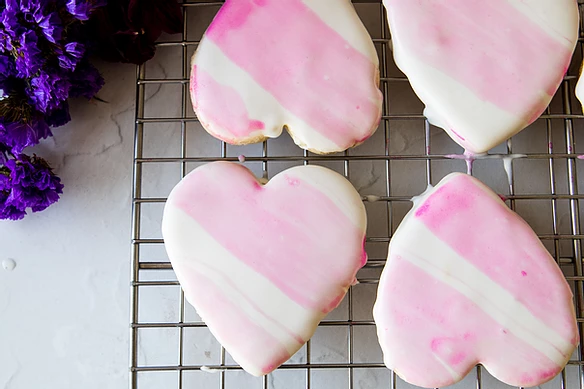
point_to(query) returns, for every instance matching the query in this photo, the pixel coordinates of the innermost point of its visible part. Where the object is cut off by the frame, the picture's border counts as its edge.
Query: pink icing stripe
(207, 296)
(224, 106)
(419, 325)
(487, 234)
(489, 46)
(288, 231)
(306, 65)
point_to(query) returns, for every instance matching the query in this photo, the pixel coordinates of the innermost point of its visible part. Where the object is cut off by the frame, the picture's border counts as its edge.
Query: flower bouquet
(43, 62)
(44, 50)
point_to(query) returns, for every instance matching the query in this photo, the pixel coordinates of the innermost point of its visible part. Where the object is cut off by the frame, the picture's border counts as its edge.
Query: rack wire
(170, 344)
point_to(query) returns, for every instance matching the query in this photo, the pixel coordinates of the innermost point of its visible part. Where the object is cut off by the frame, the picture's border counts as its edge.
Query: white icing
(430, 84)
(208, 369)
(337, 188)
(580, 88)
(372, 198)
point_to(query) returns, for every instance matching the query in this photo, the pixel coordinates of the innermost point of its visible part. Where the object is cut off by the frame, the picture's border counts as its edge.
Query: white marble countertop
(64, 309)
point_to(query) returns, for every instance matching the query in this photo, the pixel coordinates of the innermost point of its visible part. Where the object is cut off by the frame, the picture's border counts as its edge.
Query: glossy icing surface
(263, 265)
(484, 69)
(309, 65)
(492, 293)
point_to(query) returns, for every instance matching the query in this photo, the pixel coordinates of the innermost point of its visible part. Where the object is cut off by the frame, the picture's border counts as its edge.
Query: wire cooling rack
(170, 344)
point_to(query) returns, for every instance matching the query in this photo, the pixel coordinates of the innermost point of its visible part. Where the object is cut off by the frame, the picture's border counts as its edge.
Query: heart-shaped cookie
(262, 265)
(467, 281)
(484, 69)
(307, 65)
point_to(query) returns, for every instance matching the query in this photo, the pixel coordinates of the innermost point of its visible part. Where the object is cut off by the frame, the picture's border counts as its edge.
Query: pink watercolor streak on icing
(295, 336)
(293, 235)
(457, 135)
(438, 321)
(484, 231)
(220, 314)
(306, 65)
(469, 41)
(223, 106)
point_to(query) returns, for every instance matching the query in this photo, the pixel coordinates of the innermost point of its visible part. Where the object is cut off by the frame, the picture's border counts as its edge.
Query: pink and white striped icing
(467, 281)
(309, 65)
(263, 265)
(484, 69)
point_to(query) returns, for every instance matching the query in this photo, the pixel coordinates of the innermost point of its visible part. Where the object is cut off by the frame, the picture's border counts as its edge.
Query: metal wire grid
(150, 271)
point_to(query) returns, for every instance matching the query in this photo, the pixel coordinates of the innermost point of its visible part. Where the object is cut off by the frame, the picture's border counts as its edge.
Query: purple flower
(20, 135)
(9, 211)
(7, 65)
(5, 41)
(33, 6)
(29, 58)
(34, 11)
(59, 116)
(70, 57)
(3, 158)
(9, 18)
(48, 90)
(85, 81)
(11, 26)
(82, 8)
(7, 68)
(50, 26)
(4, 178)
(27, 183)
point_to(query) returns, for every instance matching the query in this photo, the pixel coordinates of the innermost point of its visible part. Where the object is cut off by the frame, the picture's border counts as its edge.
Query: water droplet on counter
(372, 198)
(9, 264)
(241, 158)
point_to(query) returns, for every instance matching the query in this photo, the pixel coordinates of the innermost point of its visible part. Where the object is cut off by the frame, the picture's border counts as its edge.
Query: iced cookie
(467, 281)
(307, 65)
(484, 69)
(262, 265)
(580, 87)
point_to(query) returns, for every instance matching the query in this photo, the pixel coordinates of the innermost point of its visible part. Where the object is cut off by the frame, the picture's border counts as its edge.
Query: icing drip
(211, 370)
(508, 165)
(470, 158)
